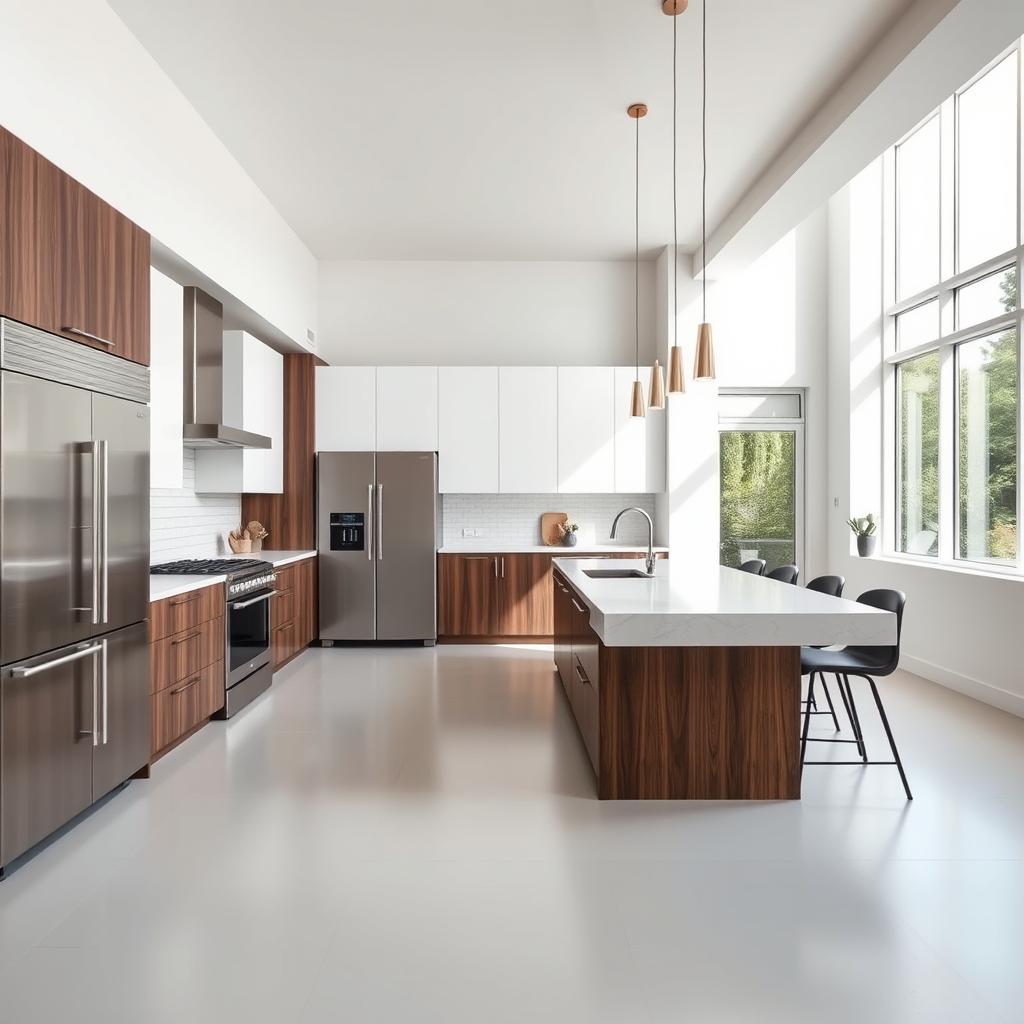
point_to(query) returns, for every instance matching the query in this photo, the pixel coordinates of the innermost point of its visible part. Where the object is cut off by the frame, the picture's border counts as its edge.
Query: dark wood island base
(681, 723)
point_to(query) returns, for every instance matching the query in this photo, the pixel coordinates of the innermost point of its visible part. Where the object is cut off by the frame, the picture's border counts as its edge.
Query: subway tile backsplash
(184, 524)
(515, 518)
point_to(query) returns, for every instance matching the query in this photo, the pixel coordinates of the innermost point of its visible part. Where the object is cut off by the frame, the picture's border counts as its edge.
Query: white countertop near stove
(686, 606)
(170, 586)
(492, 547)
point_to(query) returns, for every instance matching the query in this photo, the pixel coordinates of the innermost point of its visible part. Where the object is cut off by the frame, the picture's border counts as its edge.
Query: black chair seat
(849, 660)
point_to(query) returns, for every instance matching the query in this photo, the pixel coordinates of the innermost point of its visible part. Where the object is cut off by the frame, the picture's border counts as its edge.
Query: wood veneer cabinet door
(104, 275)
(525, 596)
(467, 595)
(29, 235)
(563, 626)
(306, 595)
(185, 611)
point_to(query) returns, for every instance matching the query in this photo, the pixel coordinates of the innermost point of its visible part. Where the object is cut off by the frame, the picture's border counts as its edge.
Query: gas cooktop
(209, 567)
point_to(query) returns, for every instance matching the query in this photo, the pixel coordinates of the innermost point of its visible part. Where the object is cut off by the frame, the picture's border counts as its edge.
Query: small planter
(866, 545)
(569, 540)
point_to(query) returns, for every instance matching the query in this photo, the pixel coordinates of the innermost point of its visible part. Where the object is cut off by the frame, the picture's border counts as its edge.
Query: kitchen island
(686, 685)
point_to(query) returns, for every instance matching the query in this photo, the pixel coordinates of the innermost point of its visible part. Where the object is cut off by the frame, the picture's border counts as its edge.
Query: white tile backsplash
(515, 518)
(184, 524)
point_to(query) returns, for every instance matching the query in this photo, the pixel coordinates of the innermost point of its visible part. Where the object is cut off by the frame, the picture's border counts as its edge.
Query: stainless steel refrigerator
(74, 580)
(378, 516)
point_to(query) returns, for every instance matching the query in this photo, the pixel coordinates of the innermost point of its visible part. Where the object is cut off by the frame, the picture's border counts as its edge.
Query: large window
(761, 472)
(953, 326)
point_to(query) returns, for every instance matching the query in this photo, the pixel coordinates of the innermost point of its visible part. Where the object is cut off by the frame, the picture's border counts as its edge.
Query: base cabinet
(293, 613)
(186, 664)
(499, 596)
(577, 659)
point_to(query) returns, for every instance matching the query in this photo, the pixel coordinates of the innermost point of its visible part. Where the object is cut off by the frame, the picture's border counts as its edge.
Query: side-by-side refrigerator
(74, 580)
(377, 526)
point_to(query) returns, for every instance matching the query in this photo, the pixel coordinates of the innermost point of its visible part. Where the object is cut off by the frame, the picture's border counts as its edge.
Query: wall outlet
(471, 531)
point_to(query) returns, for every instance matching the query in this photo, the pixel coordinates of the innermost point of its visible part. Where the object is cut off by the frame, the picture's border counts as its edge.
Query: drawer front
(283, 610)
(282, 644)
(183, 706)
(185, 653)
(285, 577)
(185, 611)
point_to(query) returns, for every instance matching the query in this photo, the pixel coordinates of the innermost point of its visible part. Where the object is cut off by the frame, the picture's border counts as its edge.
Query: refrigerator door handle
(91, 448)
(26, 671)
(369, 521)
(106, 691)
(380, 522)
(104, 541)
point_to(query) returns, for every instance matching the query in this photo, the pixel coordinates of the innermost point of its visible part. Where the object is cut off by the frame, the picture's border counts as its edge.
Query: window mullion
(947, 454)
(947, 196)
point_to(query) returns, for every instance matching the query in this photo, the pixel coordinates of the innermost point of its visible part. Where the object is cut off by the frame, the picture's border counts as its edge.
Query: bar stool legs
(892, 742)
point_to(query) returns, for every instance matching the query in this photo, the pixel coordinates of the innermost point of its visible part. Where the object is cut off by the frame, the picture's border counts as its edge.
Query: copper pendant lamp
(636, 404)
(704, 361)
(676, 384)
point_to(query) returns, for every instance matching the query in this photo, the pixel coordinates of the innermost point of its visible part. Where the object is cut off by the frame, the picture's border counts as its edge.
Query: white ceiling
(472, 129)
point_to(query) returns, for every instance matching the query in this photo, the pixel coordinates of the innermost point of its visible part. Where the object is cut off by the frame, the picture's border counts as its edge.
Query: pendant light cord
(704, 160)
(636, 251)
(675, 210)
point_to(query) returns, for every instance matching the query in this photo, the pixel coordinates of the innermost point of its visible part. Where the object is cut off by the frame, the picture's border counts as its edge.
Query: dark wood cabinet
(498, 596)
(71, 263)
(467, 595)
(293, 612)
(104, 276)
(30, 232)
(186, 664)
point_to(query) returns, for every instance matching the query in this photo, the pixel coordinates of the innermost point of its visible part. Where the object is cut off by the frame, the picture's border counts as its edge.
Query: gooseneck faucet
(649, 560)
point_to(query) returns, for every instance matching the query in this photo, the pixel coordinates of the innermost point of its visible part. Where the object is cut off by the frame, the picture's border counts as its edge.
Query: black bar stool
(833, 586)
(866, 663)
(784, 574)
(755, 566)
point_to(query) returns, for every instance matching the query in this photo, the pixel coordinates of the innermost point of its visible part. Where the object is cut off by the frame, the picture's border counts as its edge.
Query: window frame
(950, 337)
(779, 424)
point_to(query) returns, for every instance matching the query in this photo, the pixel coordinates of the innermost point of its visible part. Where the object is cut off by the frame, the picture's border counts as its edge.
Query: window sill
(1010, 575)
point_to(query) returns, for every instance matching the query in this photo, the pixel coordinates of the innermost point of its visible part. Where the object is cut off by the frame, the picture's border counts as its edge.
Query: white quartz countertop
(170, 586)
(488, 547)
(684, 606)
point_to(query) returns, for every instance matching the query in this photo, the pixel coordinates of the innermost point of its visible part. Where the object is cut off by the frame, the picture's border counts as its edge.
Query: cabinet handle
(582, 611)
(495, 566)
(582, 675)
(185, 639)
(85, 334)
(184, 600)
(187, 686)
(502, 566)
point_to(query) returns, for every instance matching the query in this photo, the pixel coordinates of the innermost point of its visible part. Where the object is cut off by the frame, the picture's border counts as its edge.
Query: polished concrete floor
(412, 835)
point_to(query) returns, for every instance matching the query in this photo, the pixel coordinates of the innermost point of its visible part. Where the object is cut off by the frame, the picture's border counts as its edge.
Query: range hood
(204, 425)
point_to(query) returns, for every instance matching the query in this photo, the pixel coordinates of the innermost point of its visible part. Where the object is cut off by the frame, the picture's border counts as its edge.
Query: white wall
(483, 313)
(961, 626)
(76, 85)
(770, 326)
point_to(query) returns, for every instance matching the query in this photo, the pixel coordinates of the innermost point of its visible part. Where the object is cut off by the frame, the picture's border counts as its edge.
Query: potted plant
(864, 528)
(569, 531)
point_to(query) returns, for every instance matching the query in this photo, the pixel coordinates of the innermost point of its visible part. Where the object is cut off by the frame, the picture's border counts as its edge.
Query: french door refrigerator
(74, 580)
(377, 527)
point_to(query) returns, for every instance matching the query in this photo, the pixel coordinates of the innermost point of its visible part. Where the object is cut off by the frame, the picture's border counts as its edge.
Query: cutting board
(549, 523)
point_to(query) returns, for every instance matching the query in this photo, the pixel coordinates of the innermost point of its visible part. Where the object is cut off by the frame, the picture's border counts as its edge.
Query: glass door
(761, 467)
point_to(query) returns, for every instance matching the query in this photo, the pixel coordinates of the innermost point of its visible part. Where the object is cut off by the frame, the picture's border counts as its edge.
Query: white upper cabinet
(467, 432)
(528, 432)
(586, 429)
(166, 311)
(346, 404)
(253, 400)
(406, 408)
(639, 442)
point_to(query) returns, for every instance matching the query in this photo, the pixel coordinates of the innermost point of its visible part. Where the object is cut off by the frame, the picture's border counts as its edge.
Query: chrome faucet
(649, 560)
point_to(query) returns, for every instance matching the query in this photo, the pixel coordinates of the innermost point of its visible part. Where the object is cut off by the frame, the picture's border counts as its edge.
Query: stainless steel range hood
(204, 425)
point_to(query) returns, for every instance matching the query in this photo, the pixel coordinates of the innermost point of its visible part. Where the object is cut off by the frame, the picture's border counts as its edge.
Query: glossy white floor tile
(412, 835)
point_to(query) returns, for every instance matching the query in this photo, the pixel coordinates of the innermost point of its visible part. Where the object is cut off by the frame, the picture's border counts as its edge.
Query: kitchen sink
(616, 574)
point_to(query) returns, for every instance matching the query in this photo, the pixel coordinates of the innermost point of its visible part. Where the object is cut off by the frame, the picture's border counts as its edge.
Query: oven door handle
(253, 600)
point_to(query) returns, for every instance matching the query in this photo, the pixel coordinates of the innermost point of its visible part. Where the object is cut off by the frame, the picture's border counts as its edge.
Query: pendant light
(676, 384)
(636, 405)
(704, 362)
